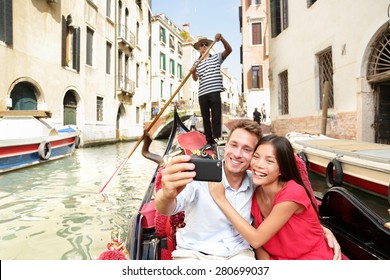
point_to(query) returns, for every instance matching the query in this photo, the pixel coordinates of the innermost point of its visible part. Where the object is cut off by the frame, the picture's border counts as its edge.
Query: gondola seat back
(359, 230)
(135, 237)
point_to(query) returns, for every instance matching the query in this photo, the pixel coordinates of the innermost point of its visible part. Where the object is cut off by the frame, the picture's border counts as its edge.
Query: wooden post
(325, 102)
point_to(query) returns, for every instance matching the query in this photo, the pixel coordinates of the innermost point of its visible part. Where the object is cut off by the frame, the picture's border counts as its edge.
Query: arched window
(23, 97)
(379, 61)
(70, 108)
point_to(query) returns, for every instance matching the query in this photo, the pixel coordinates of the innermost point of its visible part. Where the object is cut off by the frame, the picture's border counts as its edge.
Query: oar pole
(156, 118)
(177, 90)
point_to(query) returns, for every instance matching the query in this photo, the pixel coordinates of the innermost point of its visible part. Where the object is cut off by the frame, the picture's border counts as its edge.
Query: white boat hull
(27, 141)
(364, 165)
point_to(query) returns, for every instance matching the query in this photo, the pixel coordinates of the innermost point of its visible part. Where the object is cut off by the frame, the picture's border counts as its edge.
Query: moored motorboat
(358, 164)
(354, 203)
(26, 140)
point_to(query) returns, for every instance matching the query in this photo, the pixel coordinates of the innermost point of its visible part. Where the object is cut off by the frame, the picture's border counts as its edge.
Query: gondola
(147, 237)
(362, 231)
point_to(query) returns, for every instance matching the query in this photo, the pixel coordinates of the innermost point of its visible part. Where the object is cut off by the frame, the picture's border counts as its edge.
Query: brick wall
(342, 125)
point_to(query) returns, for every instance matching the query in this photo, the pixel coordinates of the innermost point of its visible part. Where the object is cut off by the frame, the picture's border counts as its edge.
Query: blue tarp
(68, 129)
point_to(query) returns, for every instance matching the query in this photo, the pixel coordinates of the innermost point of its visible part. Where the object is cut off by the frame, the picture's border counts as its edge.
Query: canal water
(54, 211)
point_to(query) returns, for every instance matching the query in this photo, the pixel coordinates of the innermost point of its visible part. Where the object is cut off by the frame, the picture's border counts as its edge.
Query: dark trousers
(193, 127)
(207, 102)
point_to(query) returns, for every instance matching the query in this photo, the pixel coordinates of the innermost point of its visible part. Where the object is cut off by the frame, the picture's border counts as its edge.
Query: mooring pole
(325, 102)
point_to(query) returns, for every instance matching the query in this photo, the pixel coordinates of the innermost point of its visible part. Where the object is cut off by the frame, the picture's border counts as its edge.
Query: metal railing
(125, 84)
(126, 35)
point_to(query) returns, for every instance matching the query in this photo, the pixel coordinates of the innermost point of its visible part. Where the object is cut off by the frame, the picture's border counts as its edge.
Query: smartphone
(209, 170)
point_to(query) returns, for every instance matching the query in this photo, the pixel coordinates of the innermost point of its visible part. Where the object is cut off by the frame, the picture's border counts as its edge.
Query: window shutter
(275, 18)
(249, 77)
(76, 49)
(256, 33)
(241, 54)
(63, 41)
(285, 14)
(8, 22)
(261, 82)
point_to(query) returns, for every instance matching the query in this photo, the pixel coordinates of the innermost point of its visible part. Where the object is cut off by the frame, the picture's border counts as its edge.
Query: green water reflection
(53, 211)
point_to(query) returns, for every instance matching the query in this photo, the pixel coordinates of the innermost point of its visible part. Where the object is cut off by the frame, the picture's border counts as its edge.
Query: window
(127, 67)
(257, 36)
(89, 46)
(70, 52)
(99, 108)
(256, 2)
(180, 48)
(108, 8)
(161, 89)
(6, 21)
(120, 7)
(279, 16)
(163, 66)
(108, 57)
(137, 114)
(257, 76)
(163, 38)
(137, 75)
(325, 67)
(23, 97)
(283, 93)
(120, 68)
(310, 2)
(139, 4)
(171, 42)
(172, 67)
(179, 71)
(137, 34)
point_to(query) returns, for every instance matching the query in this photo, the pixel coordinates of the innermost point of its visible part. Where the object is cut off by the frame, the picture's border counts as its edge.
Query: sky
(207, 18)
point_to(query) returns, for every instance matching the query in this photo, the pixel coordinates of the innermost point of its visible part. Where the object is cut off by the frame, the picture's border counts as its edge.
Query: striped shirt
(209, 73)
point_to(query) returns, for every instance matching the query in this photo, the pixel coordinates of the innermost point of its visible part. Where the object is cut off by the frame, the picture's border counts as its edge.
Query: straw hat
(200, 41)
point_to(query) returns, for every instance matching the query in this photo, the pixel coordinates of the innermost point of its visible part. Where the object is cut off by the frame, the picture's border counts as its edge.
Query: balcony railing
(126, 85)
(125, 35)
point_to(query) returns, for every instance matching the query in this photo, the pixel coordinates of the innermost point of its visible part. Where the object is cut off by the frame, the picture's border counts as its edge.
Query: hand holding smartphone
(209, 170)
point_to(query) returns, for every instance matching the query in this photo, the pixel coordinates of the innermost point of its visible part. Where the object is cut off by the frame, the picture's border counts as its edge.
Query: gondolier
(208, 71)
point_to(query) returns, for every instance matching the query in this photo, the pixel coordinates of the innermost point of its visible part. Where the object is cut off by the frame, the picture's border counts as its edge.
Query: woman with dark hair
(285, 216)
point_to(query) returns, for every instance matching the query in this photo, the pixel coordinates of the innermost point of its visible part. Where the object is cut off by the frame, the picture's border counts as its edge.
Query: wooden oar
(155, 119)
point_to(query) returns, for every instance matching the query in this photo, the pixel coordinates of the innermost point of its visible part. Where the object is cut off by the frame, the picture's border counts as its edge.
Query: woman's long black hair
(285, 157)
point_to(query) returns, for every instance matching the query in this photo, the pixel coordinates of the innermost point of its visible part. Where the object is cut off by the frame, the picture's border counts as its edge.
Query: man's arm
(175, 177)
(226, 45)
(193, 73)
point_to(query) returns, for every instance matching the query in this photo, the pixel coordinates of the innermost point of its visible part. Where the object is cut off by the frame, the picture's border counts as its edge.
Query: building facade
(330, 56)
(254, 55)
(66, 57)
(133, 70)
(167, 65)
(102, 65)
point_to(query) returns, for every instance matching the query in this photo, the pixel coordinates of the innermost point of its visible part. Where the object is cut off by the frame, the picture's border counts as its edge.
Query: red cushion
(149, 212)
